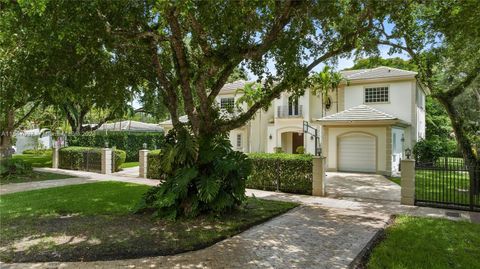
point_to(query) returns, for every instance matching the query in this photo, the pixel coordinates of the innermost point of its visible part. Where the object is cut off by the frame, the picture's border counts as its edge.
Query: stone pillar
(106, 161)
(143, 162)
(319, 170)
(55, 158)
(408, 182)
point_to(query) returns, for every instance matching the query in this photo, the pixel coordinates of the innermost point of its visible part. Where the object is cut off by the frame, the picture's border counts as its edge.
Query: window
(239, 140)
(394, 142)
(420, 99)
(227, 103)
(376, 95)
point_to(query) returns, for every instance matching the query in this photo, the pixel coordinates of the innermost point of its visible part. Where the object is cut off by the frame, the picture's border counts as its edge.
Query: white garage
(357, 153)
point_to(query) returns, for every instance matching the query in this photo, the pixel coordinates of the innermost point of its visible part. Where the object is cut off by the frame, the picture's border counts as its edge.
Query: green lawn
(36, 160)
(438, 185)
(94, 222)
(129, 164)
(34, 176)
(417, 243)
(394, 179)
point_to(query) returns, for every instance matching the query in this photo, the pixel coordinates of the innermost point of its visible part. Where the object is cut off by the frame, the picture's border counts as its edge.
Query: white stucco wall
(31, 139)
(400, 104)
(332, 138)
(398, 147)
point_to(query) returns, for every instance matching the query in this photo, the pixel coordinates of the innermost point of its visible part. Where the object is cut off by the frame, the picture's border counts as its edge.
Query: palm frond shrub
(200, 176)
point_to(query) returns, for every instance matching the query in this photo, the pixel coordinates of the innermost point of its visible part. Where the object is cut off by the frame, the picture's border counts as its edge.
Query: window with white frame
(239, 140)
(420, 99)
(227, 103)
(376, 95)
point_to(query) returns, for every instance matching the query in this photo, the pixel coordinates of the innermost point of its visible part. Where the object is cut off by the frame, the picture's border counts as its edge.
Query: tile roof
(378, 72)
(239, 84)
(359, 113)
(183, 119)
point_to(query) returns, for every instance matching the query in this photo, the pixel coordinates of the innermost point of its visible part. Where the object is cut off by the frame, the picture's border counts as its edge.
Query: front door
(297, 141)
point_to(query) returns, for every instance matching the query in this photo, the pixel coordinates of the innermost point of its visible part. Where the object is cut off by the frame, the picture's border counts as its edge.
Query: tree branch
(221, 80)
(182, 65)
(460, 87)
(27, 115)
(169, 90)
(282, 20)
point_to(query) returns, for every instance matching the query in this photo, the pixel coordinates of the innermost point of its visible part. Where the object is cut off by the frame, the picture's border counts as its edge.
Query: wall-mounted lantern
(408, 153)
(270, 137)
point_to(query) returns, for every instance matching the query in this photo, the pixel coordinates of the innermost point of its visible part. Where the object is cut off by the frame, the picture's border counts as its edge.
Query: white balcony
(290, 111)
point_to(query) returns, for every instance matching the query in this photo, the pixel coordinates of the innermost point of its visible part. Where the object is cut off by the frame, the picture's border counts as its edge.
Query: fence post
(143, 161)
(106, 161)
(408, 182)
(319, 169)
(55, 159)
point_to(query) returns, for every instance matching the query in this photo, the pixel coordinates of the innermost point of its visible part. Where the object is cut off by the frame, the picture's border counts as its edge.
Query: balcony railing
(289, 111)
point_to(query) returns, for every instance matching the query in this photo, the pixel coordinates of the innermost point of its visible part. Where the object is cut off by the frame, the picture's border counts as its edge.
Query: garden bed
(94, 222)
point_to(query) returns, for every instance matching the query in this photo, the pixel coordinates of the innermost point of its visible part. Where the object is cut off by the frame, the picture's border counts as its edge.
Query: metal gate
(448, 183)
(91, 161)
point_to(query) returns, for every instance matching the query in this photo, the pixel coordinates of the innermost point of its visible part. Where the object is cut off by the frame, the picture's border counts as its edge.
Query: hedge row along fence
(130, 142)
(153, 165)
(285, 172)
(87, 158)
(290, 173)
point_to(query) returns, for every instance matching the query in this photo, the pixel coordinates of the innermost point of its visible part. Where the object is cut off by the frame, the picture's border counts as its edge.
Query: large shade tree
(186, 51)
(443, 40)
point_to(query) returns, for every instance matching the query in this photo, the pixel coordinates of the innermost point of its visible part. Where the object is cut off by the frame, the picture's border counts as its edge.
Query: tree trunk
(469, 156)
(6, 135)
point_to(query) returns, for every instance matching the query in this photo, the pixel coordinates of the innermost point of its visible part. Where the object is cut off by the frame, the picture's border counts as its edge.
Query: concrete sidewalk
(322, 233)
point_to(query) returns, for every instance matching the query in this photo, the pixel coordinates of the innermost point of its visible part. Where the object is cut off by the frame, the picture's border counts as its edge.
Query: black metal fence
(448, 183)
(92, 161)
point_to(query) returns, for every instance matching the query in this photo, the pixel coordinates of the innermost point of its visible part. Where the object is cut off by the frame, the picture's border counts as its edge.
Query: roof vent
(389, 70)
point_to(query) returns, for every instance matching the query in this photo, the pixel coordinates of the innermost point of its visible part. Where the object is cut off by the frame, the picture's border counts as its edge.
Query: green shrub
(290, 173)
(130, 142)
(154, 170)
(201, 176)
(37, 151)
(87, 158)
(278, 150)
(12, 167)
(300, 150)
(429, 150)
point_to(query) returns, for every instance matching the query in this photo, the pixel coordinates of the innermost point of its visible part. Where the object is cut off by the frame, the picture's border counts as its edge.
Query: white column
(55, 158)
(408, 182)
(106, 161)
(143, 162)
(319, 170)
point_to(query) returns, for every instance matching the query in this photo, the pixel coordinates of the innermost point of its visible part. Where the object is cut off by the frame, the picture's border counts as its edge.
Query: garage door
(356, 153)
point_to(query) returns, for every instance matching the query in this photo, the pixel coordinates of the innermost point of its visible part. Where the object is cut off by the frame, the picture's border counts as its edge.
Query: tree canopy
(443, 40)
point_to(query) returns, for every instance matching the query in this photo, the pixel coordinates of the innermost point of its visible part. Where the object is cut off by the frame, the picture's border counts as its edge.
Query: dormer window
(376, 95)
(227, 103)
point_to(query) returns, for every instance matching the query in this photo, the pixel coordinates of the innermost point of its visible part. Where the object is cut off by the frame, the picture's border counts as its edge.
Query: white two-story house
(365, 126)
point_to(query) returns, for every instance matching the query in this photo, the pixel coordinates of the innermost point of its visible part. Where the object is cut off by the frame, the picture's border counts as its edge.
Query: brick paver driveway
(361, 187)
(305, 237)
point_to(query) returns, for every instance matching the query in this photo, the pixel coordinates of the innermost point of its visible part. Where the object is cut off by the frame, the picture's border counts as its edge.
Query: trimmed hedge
(86, 158)
(130, 142)
(292, 173)
(153, 165)
(37, 151)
